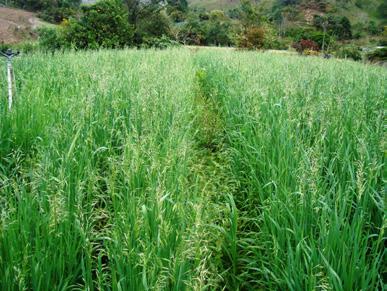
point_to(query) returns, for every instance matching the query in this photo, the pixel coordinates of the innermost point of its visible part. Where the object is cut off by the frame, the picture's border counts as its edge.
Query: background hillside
(355, 10)
(344, 28)
(17, 25)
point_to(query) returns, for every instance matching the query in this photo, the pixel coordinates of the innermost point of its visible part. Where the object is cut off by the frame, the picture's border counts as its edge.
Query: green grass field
(192, 169)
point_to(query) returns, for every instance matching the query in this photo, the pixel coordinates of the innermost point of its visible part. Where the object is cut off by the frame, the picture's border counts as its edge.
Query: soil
(17, 25)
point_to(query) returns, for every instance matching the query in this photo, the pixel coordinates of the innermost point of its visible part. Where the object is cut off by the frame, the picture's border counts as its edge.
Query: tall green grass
(177, 169)
(307, 145)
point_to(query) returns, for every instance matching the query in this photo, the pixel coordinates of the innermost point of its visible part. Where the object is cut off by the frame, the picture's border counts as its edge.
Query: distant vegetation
(269, 24)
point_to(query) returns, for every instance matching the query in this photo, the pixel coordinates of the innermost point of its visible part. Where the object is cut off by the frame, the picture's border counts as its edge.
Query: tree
(180, 5)
(344, 28)
(194, 30)
(218, 29)
(103, 24)
(144, 17)
(288, 2)
(133, 7)
(153, 24)
(249, 14)
(252, 38)
(373, 29)
(383, 10)
(252, 35)
(334, 25)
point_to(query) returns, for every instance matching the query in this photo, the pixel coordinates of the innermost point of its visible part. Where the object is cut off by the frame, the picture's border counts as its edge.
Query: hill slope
(17, 25)
(360, 11)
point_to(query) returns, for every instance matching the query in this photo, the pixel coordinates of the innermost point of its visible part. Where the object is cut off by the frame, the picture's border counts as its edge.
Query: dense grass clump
(179, 169)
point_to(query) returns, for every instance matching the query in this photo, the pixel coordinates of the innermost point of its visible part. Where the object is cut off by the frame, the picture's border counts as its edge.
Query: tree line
(160, 23)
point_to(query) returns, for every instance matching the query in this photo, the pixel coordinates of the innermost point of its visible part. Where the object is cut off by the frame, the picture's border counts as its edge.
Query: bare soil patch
(17, 25)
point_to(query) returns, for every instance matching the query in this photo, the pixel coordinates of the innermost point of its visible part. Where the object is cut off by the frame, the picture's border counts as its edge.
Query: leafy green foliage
(288, 2)
(147, 18)
(162, 42)
(219, 29)
(253, 37)
(339, 27)
(382, 9)
(193, 31)
(378, 55)
(51, 39)
(321, 21)
(153, 24)
(349, 52)
(103, 24)
(213, 28)
(323, 40)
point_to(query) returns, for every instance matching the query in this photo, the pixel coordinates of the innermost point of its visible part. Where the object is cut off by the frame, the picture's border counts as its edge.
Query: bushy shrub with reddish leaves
(306, 44)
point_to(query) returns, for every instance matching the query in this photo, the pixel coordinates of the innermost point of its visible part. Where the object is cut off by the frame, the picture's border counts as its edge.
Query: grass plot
(192, 170)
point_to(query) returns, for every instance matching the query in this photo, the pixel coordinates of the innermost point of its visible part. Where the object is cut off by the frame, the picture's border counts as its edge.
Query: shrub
(51, 39)
(27, 47)
(383, 42)
(323, 41)
(276, 43)
(23, 47)
(314, 35)
(177, 16)
(305, 44)
(162, 42)
(309, 52)
(272, 40)
(298, 33)
(349, 52)
(378, 55)
(252, 38)
(4, 47)
(104, 24)
(374, 29)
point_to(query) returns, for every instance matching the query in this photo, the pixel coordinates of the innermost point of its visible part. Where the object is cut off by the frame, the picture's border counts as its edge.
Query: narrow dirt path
(216, 221)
